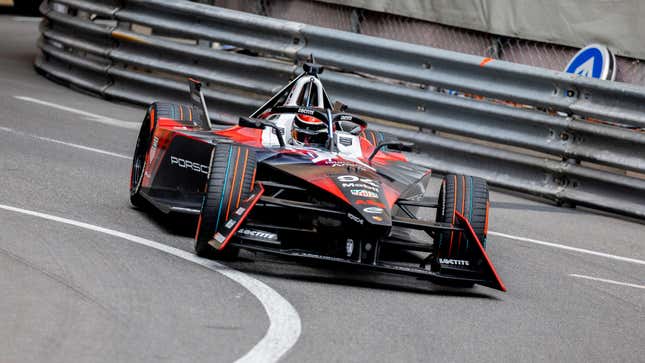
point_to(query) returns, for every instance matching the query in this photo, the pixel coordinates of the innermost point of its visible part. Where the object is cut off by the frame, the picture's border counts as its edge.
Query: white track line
(90, 116)
(607, 281)
(26, 19)
(284, 322)
(568, 248)
(82, 147)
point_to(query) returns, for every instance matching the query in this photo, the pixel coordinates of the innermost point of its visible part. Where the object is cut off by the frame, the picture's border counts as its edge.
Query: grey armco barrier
(527, 129)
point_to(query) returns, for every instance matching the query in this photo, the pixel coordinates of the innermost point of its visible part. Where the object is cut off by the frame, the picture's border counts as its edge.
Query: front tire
(230, 181)
(467, 195)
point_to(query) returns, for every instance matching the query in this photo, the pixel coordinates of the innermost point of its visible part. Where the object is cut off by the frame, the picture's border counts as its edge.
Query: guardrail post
(356, 18)
(261, 7)
(496, 48)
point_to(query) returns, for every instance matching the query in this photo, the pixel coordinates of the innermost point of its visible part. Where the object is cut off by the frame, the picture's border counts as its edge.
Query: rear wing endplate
(199, 104)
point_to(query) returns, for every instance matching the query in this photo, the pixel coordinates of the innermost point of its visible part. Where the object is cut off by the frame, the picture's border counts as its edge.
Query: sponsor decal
(339, 163)
(354, 179)
(319, 156)
(345, 141)
(187, 164)
(334, 163)
(345, 164)
(450, 261)
(240, 210)
(377, 218)
(373, 210)
(359, 185)
(279, 128)
(230, 223)
(347, 178)
(370, 202)
(346, 118)
(306, 111)
(219, 237)
(363, 193)
(257, 234)
(153, 147)
(355, 218)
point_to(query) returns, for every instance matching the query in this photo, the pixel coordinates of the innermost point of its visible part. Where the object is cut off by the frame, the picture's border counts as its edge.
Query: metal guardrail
(535, 150)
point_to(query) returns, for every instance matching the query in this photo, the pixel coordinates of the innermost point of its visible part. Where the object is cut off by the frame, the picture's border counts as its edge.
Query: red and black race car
(301, 177)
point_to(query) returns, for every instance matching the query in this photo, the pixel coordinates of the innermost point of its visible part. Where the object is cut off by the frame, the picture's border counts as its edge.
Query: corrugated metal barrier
(571, 139)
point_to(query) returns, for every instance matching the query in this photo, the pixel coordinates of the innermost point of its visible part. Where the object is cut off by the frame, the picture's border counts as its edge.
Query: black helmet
(309, 130)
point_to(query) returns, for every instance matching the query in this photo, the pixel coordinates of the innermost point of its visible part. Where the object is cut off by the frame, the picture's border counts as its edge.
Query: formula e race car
(302, 178)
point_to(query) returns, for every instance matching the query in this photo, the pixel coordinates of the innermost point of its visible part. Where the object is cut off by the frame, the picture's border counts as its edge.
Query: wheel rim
(137, 172)
(139, 160)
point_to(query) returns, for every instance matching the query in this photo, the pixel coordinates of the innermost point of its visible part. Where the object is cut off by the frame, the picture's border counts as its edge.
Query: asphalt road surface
(91, 278)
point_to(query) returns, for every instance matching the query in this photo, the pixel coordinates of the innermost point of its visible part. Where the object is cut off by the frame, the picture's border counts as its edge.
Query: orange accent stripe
(463, 195)
(230, 196)
(127, 37)
(199, 224)
(454, 209)
(152, 118)
(190, 113)
(239, 195)
(485, 61)
(253, 179)
(181, 112)
(463, 206)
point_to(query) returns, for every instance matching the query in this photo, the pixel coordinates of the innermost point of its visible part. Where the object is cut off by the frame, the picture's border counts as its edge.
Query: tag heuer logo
(363, 193)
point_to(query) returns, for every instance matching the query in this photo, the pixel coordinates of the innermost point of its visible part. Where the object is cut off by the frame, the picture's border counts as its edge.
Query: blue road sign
(594, 61)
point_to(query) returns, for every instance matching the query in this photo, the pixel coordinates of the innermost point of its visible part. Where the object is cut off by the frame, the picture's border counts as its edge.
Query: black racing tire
(467, 195)
(230, 181)
(139, 160)
(155, 111)
(175, 111)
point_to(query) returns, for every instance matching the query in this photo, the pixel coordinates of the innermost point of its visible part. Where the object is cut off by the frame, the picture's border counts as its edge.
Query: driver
(309, 131)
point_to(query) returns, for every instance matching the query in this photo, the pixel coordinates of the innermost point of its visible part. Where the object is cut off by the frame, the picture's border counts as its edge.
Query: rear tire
(176, 111)
(467, 195)
(155, 111)
(231, 178)
(139, 161)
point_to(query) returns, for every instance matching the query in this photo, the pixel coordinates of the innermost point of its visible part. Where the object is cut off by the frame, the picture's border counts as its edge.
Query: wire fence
(545, 55)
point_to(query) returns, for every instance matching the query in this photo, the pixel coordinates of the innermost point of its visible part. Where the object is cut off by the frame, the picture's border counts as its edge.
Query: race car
(301, 177)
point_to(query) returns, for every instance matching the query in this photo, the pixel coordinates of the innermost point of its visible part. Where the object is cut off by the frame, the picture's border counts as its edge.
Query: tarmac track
(72, 293)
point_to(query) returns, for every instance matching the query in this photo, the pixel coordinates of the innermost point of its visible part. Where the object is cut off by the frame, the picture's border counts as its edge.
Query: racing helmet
(309, 130)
